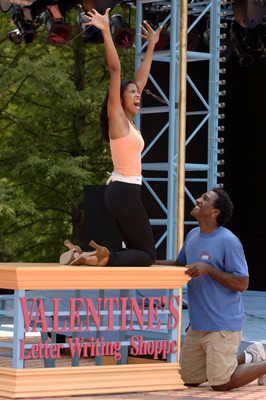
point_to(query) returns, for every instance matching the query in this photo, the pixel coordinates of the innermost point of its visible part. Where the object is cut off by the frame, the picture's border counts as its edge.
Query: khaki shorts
(209, 356)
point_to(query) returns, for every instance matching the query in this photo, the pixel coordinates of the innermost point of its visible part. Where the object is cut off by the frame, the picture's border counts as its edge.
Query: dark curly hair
(103, 114)
(225, 205)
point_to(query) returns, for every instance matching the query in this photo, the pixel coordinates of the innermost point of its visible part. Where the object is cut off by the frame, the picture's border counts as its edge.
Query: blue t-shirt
(212, 306)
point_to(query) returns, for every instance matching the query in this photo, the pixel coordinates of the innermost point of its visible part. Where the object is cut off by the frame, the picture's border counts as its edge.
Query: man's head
(214, 205)
(224, 204)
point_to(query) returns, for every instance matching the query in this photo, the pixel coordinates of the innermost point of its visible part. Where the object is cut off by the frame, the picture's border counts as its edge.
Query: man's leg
(221, 349)
(244, 374)
(193, 359)
(254, 355)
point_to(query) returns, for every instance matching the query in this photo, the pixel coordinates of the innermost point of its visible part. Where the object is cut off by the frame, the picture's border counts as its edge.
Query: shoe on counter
(82, 258)
(67, 257)
(71, 246)
(102, 253)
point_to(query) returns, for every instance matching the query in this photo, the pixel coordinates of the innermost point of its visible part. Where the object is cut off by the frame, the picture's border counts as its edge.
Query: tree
(51, 145)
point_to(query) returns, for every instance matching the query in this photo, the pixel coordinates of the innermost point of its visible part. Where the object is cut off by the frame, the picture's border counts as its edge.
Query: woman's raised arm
(102, 22)
(143, 71)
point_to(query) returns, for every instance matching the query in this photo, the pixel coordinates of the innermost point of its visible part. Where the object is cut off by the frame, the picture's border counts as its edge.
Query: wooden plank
(41, 276)
(47, 382)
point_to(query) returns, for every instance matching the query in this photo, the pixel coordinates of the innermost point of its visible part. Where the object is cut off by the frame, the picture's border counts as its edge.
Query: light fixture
(242, 44)
(123, 36)
(220, 185)
(220, 162)
(193, 41)
(91, 34)
(102, 5)
(249, 13)
(221, 128)
(15, 36)
(220, 151)
(220, 174)
(5, 5)
(26, 30)
(164, 40)
(58, 31)
(225, 46)
(223, 25)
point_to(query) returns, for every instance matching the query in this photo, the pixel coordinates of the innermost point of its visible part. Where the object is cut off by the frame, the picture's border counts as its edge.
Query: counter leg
(75, 359)
(19, 329)
(173, 333)
(99, 359)
(122, 335)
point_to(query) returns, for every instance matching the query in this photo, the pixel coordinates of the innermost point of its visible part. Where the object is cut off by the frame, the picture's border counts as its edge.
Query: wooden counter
(54, 276)
(70, 381)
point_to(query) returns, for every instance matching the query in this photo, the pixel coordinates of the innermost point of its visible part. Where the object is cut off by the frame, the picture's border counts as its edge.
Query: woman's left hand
(149, 34)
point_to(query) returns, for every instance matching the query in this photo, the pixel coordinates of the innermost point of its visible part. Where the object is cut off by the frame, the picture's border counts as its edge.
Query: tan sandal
(67, 257)
(82, 258)
(102, 253)
(71, 246)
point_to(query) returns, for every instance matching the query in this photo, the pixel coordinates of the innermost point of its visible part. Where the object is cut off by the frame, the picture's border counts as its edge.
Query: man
(217, 265)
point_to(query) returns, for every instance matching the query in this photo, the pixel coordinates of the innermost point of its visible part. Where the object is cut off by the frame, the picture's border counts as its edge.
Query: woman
(123, 191)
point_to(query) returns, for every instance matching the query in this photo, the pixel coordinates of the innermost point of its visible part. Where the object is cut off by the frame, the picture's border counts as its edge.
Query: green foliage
(51, 145)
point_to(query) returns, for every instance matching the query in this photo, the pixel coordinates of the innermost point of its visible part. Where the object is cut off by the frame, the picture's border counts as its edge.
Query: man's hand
(198, 269)
(227, 279)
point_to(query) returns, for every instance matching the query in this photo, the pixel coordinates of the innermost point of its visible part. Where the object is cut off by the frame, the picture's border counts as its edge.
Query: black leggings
(124, 203)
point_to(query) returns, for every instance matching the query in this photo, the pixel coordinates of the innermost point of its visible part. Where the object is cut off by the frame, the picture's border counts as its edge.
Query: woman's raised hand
(149, 34)
(100, 21)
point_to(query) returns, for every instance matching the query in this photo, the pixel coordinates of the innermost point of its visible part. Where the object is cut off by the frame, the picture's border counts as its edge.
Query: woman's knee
(150, 259)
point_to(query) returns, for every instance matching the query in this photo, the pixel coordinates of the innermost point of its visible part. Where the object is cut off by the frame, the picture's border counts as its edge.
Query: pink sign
(99, 347)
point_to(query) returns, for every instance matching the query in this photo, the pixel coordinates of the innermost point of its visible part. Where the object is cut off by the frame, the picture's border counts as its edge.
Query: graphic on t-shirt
(205, 255)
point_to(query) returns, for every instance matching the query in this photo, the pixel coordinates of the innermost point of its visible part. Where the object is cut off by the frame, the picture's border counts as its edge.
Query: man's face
(204, 207)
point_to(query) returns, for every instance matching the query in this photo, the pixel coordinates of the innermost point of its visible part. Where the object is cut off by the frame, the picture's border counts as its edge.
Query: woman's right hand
(100, 21)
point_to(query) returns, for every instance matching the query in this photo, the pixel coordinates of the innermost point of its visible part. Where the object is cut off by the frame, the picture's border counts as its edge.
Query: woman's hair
(103, 114)
(224, 204)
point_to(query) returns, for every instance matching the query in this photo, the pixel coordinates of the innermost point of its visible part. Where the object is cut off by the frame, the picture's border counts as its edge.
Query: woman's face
(131, 99)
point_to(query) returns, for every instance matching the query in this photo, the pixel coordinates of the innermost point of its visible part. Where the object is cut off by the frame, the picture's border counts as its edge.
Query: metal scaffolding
(207, 114)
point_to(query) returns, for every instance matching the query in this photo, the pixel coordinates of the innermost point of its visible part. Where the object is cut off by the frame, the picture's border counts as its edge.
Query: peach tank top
(126, 153)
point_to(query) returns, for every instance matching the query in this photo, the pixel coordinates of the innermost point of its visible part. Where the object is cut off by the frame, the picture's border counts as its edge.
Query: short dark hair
(103, 113)
(224, 204)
